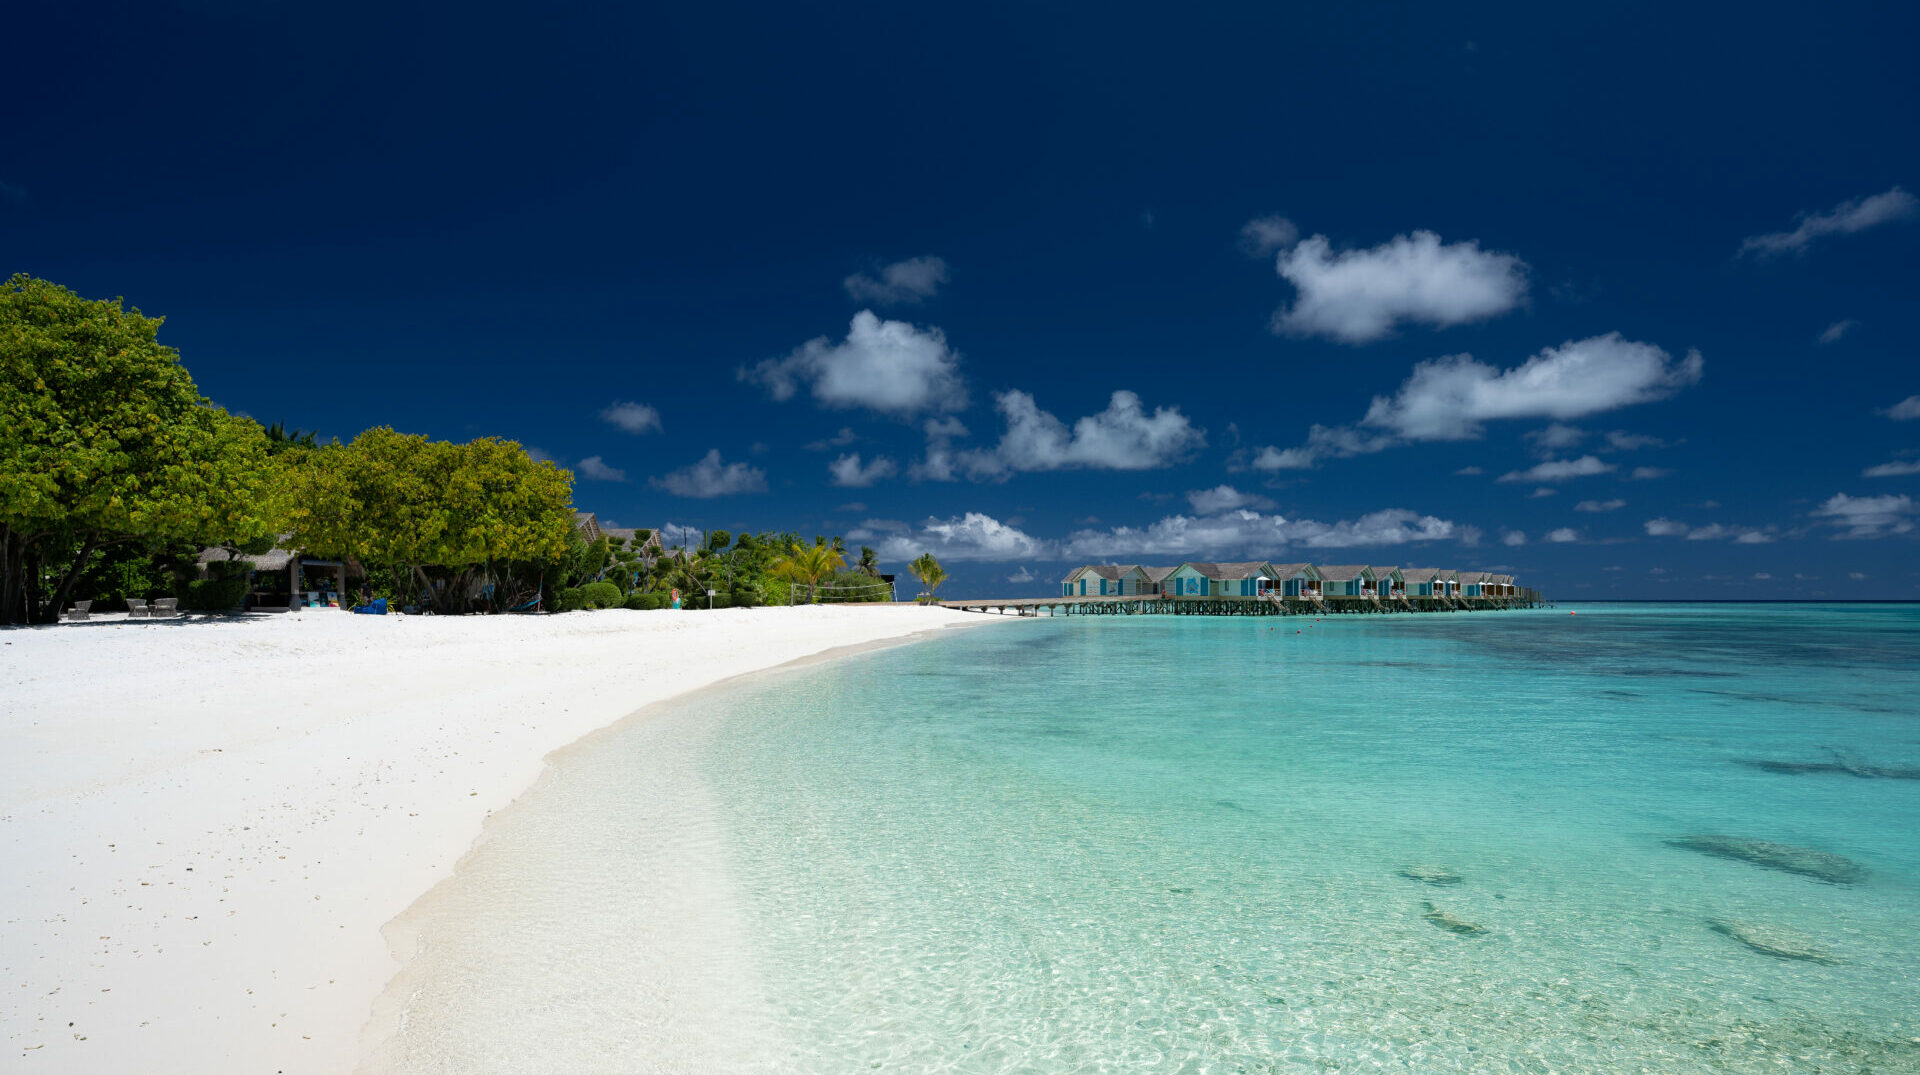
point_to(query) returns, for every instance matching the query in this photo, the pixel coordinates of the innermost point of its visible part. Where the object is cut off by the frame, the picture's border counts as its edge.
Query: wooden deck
(1163, 605)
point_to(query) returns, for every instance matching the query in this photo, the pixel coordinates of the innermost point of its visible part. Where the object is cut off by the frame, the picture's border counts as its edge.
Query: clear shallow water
(1174, 844)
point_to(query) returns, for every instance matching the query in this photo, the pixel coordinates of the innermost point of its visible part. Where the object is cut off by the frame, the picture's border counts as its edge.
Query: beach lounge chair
(376, 607)
(136, 607)
(164, 606)
(80, 610)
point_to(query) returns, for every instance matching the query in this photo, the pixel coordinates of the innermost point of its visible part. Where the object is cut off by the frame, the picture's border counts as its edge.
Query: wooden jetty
(1219, 605)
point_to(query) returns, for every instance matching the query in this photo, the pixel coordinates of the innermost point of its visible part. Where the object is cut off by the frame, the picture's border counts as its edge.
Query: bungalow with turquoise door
(1420, 582)
(1446, 583)
(1345, 580)
(1388, 582)
(1473, 583)
(1105, 580)
(1296, 580)
(1252, 578)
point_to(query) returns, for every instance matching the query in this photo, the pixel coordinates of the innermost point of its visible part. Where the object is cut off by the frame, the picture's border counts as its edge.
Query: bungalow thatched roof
(1159, 574)
(1343, 572)
(1287, 571)
(1420, 574)
(1229, 572)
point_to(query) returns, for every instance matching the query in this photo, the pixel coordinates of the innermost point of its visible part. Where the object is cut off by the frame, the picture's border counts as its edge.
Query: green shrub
(215, 595)
(600, 595)
(635, 601)
(571, 599)
(645, 602)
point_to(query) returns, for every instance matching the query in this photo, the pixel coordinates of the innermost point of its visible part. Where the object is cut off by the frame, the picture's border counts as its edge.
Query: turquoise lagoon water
(1175, 844)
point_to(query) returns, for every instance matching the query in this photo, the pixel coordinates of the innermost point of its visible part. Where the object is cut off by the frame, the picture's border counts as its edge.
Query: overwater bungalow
(1420, 581)
(1346, 580)
(1473, 583)
(1296, 580)
(1250, 578)
(1107, 580)
(1157, 577)
(1388, 583)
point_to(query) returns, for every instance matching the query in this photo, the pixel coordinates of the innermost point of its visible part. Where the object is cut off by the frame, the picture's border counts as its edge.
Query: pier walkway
(1181, 605)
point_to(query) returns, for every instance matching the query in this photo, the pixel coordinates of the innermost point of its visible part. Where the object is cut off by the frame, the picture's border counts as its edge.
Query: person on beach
(676, 597)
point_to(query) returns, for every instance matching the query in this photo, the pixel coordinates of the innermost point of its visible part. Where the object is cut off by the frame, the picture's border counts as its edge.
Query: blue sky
(1621, 300)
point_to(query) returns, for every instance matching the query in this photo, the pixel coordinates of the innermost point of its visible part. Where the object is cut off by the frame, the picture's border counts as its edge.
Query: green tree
(929, 572)
(808, 564)
(869, 562)
(449, 519)
(105, 441)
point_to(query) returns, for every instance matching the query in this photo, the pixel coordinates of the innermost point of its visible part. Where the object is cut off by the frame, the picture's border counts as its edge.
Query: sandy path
(205, 825)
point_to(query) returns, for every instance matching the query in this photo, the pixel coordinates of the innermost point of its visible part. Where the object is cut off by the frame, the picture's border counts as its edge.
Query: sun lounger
(376, 607)
(80, 611)
(165, 606)
(136, 608)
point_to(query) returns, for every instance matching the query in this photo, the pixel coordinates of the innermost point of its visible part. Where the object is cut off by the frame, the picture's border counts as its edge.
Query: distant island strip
(1261, 588)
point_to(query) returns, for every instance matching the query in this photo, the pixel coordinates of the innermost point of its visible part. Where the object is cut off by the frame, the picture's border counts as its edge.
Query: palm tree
(929, 572)
(869, 562)
(809, 564)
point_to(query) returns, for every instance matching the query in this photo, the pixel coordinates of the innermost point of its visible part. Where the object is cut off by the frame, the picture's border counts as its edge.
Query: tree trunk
(59, 599)
(12, 583)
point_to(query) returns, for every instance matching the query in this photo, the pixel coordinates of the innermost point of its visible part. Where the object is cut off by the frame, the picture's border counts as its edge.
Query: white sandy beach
(205, 825)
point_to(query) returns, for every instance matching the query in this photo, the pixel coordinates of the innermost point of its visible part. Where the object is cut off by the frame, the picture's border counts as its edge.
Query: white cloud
(1563, 535)
(1620, 440)
(676, 534)
(1469, 472)
(1022, 575)
(886, 366)
(1252, 534)
(1843, 219)
(912, 280)
(1600, 505)
(1641, 474)
(632, 417)
(1559, 470)
(594, 468)
(848, 472)
(1513, 537)
(1225, 498)
(1858, 576)
(1557, 437)
(1896, 469)
(1449, 398)
(1357, 296)
(973, 536)
(841, 439)
(1762, 575)
(1266, 234)
(1743, 535)
(538, 455)
(1836, 330)
(1542, 493)
(710, 477)
(1905, 410)
(1869, 516)
(1122, 437)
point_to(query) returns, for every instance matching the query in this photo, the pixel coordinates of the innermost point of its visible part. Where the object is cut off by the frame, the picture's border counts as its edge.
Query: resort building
(1388, 582)
(1252, 578)
(1108, 580)
(1419, 581)
(1345, 580)
(1296, 580)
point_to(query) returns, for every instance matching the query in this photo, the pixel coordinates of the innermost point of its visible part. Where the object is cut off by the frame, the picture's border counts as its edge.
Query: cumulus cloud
(1899, 468)
(1559, 470)
(1869, 516)
(848, 472)
(1122, 437)
(1836, 330)
(1557, 437)
(1250, 533)
(1563, 535)
(1744, 535)
(1022, 575)
(1225, 498)
(1600, 505)
(972, 536)
(1469, 472)
(1622, 441)
(1843, 219)
(632, 417)
(1542, 493)
(1642, 474)
(1904, 411)
(711, 477)
(909, 281)
(1357, 296)
(841, 439)
(887, 366)
(594, 468)
(1449, 398)
(1267, 234)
